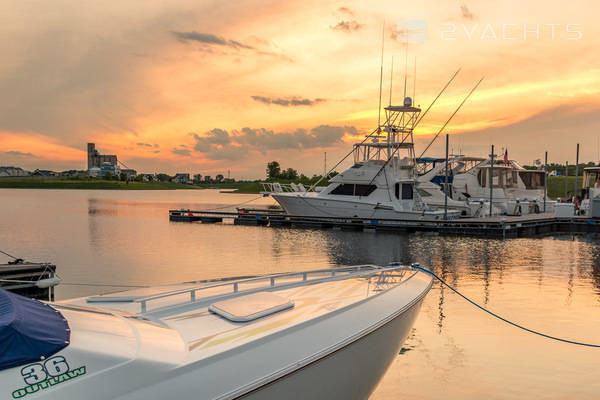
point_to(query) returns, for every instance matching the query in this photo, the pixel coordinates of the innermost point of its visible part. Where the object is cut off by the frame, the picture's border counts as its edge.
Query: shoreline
(555, 185)
(103, 184)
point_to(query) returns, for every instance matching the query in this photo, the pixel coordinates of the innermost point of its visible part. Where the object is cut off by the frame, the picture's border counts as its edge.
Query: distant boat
(326, 334)
(35, 280)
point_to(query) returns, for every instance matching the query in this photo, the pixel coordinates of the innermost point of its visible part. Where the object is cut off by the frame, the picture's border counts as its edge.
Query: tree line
(561, 168)
(276, 173)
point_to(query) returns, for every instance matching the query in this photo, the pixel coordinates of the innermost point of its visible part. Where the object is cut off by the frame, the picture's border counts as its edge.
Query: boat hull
(335, 343)
(351, 372)
(315, 206)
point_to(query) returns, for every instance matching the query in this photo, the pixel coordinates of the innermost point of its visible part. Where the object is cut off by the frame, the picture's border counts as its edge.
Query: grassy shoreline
(556, 185)
(42, 182)
(99, 184)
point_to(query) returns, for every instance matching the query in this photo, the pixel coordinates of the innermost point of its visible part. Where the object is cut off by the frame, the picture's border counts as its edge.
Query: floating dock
(23, 279)
(492, 227)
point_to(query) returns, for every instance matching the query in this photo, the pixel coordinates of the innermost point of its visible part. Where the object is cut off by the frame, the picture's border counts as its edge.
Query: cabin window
(511, 179)
(532, 180)
(364, 190)
(344, 189)
(404, 191)
(407, 191)
(481, 174)
(350, 189)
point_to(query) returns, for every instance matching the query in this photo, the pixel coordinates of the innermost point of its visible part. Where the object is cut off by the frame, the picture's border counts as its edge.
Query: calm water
(454, 351)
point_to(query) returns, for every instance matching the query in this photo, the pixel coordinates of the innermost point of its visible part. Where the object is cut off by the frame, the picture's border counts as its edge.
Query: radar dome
(407, 102)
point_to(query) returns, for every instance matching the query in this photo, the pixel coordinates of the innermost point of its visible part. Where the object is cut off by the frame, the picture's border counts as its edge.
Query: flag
(506, 156)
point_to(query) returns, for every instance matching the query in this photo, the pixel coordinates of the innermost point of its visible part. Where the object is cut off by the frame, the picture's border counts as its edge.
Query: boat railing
(276, 187)
(271, 281)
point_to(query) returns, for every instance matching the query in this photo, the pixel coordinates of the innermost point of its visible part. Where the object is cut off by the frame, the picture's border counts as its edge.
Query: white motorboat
(326, 334)
(590, 190)
(516, 190)
(379, 185)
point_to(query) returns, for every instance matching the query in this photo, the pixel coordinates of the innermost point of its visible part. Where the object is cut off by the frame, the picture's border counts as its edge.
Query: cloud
(346, 10)
(550, 130)
(466, 13)
(286, 102)
(143, 144)
(209, 39)
(216, 136)
(347, 26)
(19, 154)
(219, 144)
(181, 152)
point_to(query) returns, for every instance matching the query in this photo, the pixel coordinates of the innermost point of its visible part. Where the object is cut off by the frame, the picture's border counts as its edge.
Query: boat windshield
(533, 179)
(591, 178)
(503, 177)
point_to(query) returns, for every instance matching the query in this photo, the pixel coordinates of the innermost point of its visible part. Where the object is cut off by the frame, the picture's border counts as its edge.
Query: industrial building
(96, 160)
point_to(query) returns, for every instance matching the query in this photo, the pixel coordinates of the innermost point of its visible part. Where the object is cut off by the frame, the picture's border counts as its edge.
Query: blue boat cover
(29, 330)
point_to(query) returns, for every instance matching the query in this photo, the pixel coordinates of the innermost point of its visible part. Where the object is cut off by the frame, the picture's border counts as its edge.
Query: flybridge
(395, 134)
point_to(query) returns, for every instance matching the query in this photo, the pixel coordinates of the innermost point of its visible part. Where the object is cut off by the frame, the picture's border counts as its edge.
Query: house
(146, 177)
(73, 173)
(13, 171)
(130, 174)
(182, 178)
(44, 172)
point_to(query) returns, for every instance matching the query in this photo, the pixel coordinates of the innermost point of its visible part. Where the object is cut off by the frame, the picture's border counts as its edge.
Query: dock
(531, 225)
(23, 279)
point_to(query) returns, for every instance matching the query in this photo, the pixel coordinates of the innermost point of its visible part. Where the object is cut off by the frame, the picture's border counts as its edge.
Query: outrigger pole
(451, 116)
(437, 97)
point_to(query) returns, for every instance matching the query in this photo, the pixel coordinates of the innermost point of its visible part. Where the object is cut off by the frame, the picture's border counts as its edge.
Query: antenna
(405, 64)
(381, 76)
(415, 82)
(391, 80)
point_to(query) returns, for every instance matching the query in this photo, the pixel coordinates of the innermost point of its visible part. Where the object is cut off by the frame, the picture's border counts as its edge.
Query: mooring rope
(235, 205)
(493, 314)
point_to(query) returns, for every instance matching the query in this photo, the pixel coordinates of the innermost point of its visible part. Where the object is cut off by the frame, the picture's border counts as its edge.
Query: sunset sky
(208, 86)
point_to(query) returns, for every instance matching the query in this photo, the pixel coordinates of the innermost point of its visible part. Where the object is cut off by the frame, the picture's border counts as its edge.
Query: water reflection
(551, 284)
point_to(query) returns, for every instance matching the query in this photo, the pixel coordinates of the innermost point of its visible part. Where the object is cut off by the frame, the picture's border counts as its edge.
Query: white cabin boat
(326, 334)
(516, 190)
(381, 184)
(590, 189)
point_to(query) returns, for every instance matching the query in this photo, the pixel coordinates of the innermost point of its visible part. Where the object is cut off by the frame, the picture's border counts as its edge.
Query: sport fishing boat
(381, 183)
(320, 334)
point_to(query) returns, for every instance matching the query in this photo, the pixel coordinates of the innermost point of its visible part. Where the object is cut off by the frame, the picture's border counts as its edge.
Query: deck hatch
(250, 307)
